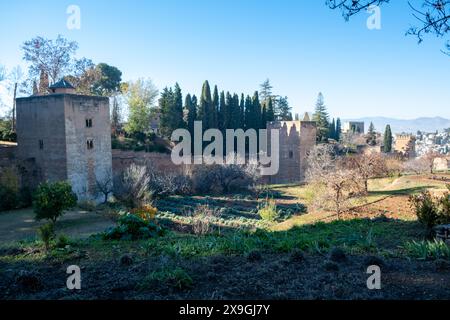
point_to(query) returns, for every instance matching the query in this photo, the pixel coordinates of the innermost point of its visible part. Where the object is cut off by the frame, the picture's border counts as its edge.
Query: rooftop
(61, 84)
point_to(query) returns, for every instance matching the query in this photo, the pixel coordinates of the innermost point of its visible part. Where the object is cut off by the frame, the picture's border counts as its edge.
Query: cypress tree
(388, 139)
(332, 132)
(206, 106)
(248, 112)
(264, 117)
(338, 129)
(235, 112)
(228, 111)
(215, 108)
(222, 111)
(242, 112)
(191, 114)
(270, 111)
(257, 111)
(177, 111)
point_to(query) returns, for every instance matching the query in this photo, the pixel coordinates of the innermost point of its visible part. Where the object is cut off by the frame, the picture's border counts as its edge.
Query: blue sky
(300, 45)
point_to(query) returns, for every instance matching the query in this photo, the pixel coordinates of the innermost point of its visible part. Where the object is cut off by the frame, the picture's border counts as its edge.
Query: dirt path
(20, 224)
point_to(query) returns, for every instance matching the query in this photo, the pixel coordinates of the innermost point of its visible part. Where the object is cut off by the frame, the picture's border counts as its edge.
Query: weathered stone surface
(297, 138)
(52, 133)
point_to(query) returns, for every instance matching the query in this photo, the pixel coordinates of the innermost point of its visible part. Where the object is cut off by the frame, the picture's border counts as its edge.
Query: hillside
(428, 124)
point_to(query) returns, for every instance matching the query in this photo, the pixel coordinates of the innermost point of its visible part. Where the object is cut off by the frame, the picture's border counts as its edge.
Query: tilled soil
(265, 276)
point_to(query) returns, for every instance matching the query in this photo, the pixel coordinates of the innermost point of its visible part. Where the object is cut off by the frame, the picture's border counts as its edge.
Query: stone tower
(296, 140)
(67, 136)
(405, 144)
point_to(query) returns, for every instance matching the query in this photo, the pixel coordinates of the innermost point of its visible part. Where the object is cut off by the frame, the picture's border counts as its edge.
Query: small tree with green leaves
(51, 199)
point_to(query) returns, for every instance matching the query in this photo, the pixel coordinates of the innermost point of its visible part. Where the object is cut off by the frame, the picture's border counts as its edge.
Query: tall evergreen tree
(222, 112)
(171, 108)
(270, 111)
(388, 139)
(215, 108)
(205, 107)
(235, 112)
(266, 91)
(191, 114)
(177, 121)
(338, 129)
(284, 110)
(228, 111)
(332, 131)
(371, 135)
(248, 112)
(242, 112)
(264, 117)
(321, 118)
(257, 111)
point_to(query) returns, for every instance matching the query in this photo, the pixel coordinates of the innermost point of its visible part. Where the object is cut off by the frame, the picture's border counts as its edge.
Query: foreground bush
(269, 211)
(132, 187)
(51, 199)
(164, 184)
(431, 211)
(132, 227)
(177, 278)
(47, 234)
(224, 178)
(428, 250)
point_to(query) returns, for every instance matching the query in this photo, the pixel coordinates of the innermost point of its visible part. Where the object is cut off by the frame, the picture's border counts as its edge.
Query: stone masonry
(297, 138)
(68, 137)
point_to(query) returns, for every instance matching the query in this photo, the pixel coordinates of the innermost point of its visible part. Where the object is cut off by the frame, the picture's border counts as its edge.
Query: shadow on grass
(399, 192)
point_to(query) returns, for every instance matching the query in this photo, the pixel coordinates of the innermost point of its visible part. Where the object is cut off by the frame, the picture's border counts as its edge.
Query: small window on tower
(41, 144)
(291, 154)
(88, 123)
(90, 144)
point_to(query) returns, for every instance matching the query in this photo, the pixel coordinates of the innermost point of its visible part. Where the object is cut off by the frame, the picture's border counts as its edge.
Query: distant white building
(354, 127)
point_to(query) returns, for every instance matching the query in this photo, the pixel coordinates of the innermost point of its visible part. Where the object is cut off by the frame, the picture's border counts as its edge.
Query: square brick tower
(67, 136)
(296, 140)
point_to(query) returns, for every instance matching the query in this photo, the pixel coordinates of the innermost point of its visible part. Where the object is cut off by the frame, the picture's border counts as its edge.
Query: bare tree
(352, 7)
(325, 168)
(433, 16)
(417, 166)
(54, 57)
(429, 158)
(105, 186)
(132, 186)
(367, 166)
(16, 78)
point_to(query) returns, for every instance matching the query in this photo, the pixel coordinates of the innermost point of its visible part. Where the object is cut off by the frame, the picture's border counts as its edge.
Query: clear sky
(300, 45)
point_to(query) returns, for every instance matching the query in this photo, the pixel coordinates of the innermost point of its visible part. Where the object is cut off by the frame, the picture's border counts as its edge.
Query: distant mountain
(406, 126)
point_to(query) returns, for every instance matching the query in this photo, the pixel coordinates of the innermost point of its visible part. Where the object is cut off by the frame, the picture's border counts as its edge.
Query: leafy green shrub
(269, 211)
(431, 211)
(132, 227)
(177, 278)
(428, 250)
(47, 234)
(51, 199)
(62, 241)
